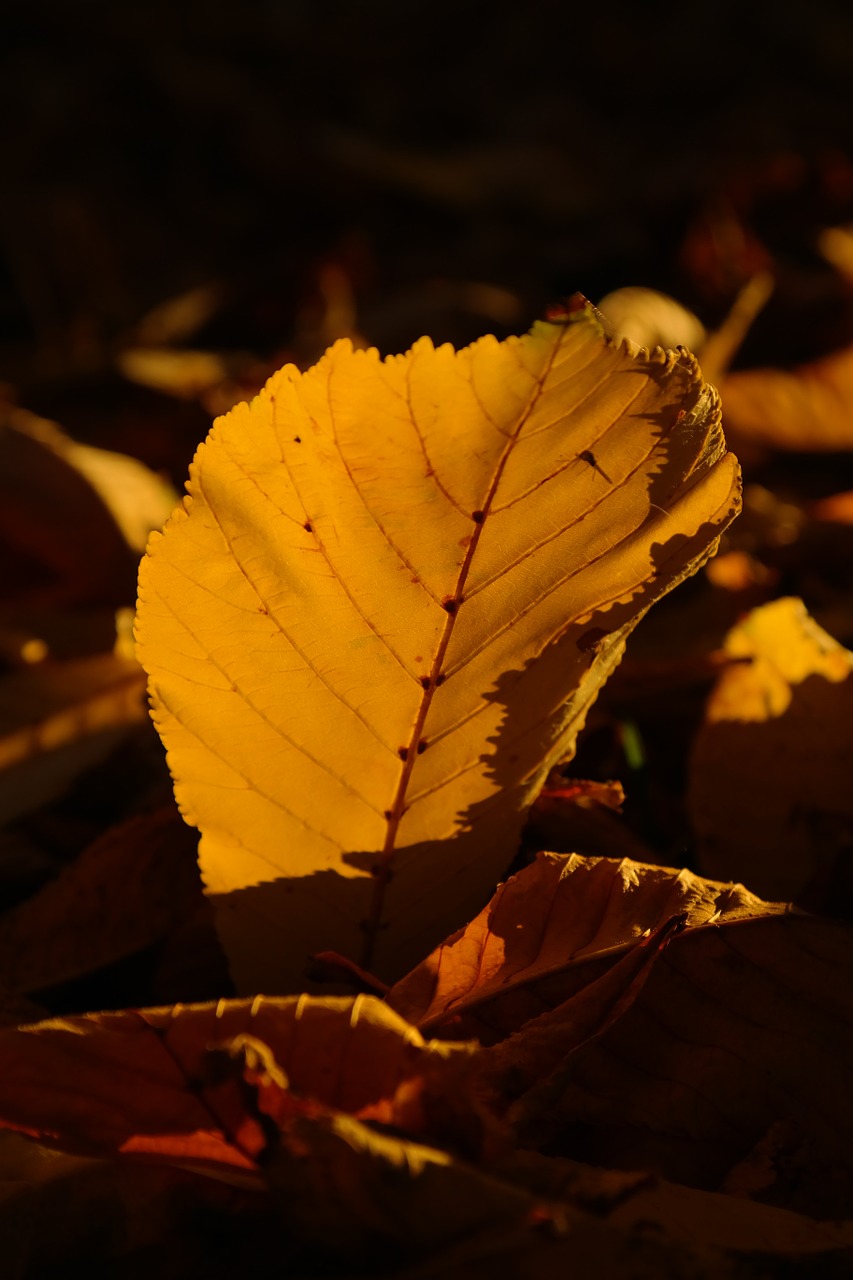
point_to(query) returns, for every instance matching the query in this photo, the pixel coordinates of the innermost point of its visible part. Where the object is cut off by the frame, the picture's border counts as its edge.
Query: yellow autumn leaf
(385, 607)
(776, 741)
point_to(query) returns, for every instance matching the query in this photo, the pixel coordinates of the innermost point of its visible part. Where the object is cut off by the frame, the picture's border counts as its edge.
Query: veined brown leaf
(738, 1046)
(550, 931)
(139, 1081)
(380, 618)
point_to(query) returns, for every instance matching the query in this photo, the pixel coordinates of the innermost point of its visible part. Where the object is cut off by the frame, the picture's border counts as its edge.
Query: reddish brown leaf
(548, 932)
(738, 1028)
(521, 1066)
(141, 1080)
(582, 817)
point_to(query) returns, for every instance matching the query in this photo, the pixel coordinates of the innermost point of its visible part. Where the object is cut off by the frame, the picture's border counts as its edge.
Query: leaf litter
(621, 1043)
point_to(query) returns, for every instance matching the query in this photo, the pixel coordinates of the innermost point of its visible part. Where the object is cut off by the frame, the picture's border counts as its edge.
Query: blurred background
(251, 181)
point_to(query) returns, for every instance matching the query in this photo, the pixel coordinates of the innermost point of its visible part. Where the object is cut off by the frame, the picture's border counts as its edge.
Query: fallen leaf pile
(427, 1004)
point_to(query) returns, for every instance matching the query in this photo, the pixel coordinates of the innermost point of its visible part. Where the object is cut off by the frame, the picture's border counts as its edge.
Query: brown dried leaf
(582, 817)
(134, 884)
(140, 1081)
(353, 1191)
(73, 519)
(636, 1200)
(520, 1068)
(738, 1028)
(64, 1215)
(548, 932)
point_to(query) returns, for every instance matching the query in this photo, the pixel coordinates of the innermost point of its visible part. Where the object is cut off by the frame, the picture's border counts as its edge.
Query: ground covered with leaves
(536, 957)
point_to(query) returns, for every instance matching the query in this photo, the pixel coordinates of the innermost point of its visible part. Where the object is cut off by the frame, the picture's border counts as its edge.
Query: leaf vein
(271, 724)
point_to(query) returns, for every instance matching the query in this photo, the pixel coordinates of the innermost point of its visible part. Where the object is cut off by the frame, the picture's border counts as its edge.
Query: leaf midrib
(382, 867)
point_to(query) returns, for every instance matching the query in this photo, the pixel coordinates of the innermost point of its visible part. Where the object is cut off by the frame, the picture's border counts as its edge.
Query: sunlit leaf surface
(381, 616)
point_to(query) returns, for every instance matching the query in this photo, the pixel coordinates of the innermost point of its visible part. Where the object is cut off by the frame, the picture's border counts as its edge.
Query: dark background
(418, 151)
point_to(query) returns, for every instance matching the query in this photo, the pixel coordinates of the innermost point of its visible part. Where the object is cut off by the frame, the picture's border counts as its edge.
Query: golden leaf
(777, 743)
(380, 618)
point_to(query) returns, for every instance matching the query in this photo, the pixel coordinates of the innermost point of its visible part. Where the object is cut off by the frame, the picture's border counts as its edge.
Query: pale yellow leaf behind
(331, 725)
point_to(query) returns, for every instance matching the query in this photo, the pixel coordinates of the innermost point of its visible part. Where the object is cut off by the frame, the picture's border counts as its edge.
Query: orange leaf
(548, 932)
(381, 616)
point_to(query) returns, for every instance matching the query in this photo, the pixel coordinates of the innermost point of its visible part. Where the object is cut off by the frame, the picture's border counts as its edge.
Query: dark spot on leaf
(416, 581)
(587, 455)
(389, 814)
(478, 516)
(297, 439)
(562, 312)
(419, 658)
(466, 541)
(308, 527)
(403, 753)
(425, 682)
(263, 609)
(591, 638)
(422, 746)
(450, 605)
(439, 680)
